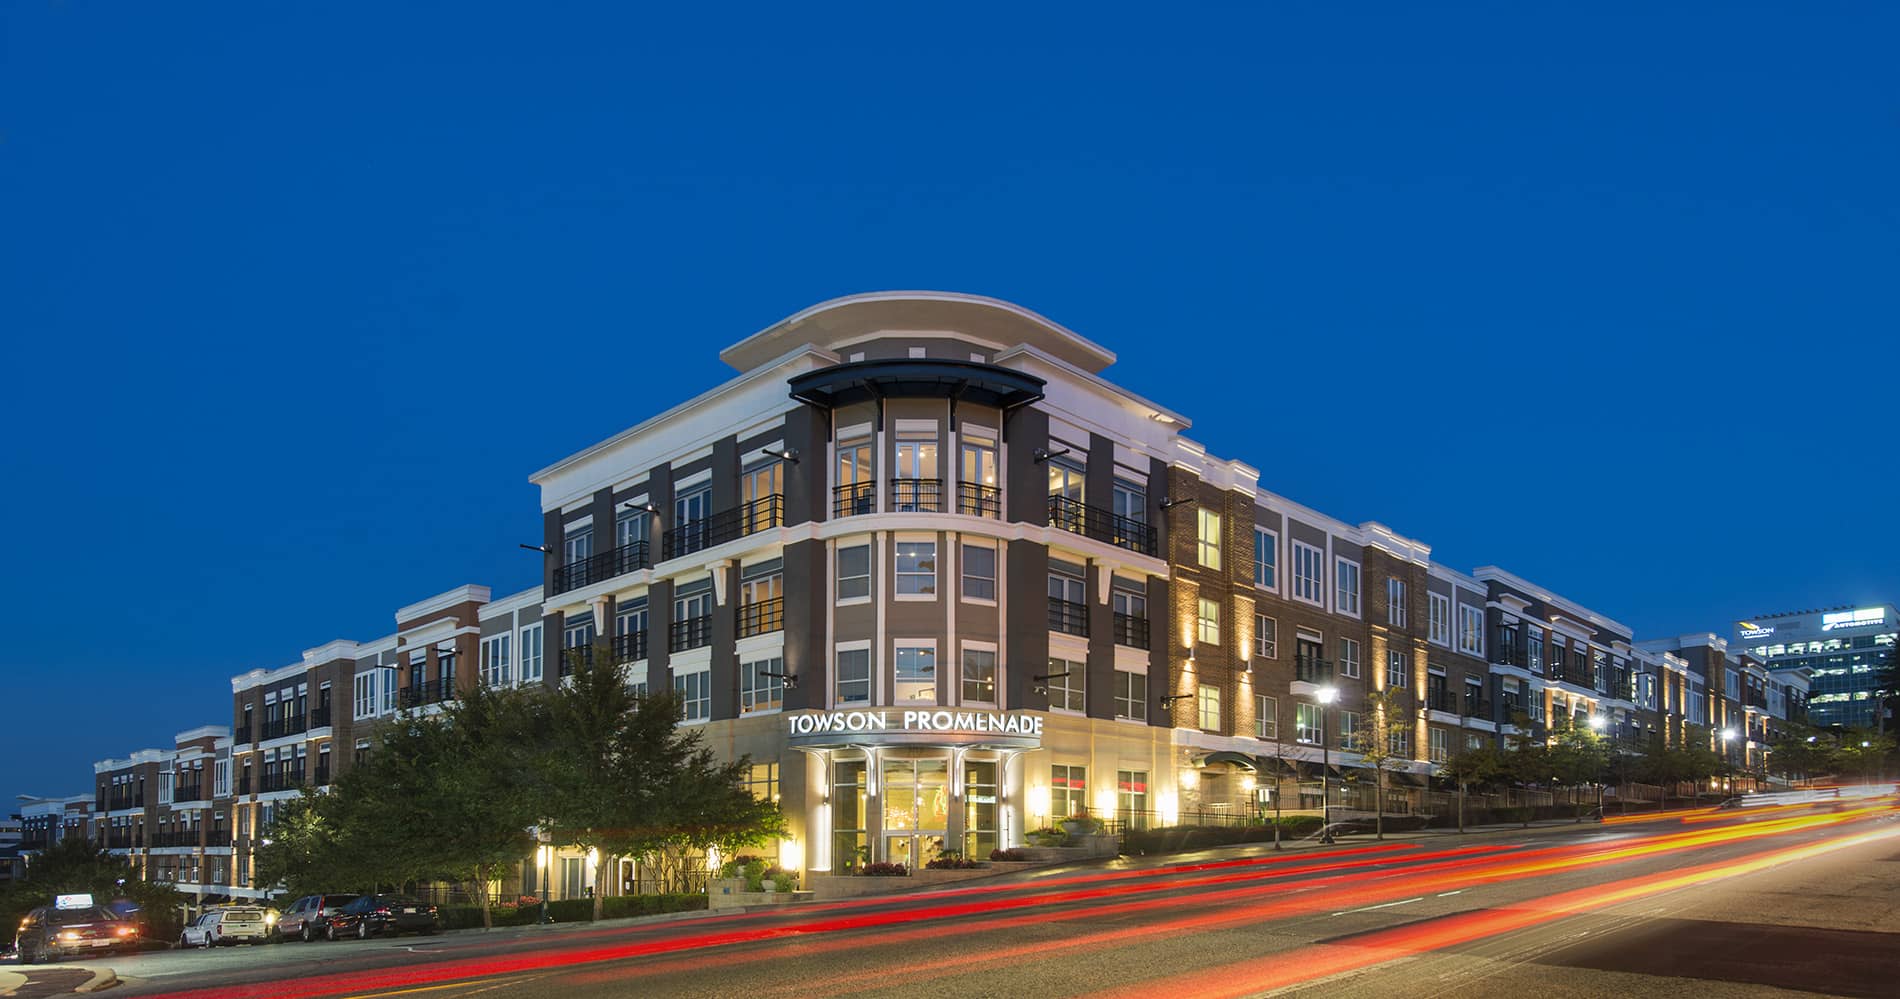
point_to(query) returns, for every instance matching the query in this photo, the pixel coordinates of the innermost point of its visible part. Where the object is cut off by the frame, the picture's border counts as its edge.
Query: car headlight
(270, 919)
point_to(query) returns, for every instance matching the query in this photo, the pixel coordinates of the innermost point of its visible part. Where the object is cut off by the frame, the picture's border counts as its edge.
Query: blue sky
(293, 298)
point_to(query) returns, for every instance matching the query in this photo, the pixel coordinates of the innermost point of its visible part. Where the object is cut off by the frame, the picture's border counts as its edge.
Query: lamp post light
(1596, 726)
(1325, 695)
(1867, 762)
(1728, 780)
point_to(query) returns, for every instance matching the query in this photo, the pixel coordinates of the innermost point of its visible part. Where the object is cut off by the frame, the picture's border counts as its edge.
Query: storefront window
(1131, 798)
(916, 799)
(1068, 791)
(848, 851)
(979, 810)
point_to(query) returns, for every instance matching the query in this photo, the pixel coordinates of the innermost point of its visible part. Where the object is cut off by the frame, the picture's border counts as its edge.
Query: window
(495, 664)
(1266, 637)
(1209, 622)
(530, 649)
(1131, 795)
(1395, 602)
(1348, 736)
(762, 685)
(1441, 745)
(1306, 723)
(1307, 573)
(1131, 695)
(1349, 658)
(979, 573)
(1399, 741)
(1207, 707)
(1209, 540)
(1346, 575)
(695, 689)
(854, 572)
(1068, 791)
(1129, 500)
(366, 694)
(577, 544)
(1266, 558)
(1266, 717)
(1471, 630)
(1395, 671)
(690, 513)
(1441, 619)
(630, 527)
(853, 670)
(1067, 680)
(916, 568)
(1534, 641)
(762, 781)
(389, 688)
(916, 674)
(977, 492)
(979, 676)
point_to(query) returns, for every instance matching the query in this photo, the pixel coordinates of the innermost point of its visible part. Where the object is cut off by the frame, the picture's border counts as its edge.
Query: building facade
(1841, 650)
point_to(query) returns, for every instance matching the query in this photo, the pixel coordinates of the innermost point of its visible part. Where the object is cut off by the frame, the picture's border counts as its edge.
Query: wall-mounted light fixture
(791, 679)
(1043, 454)
(1042, 680)
(543, 549)
(789, 454)
(1167, 700)
(1174, 501)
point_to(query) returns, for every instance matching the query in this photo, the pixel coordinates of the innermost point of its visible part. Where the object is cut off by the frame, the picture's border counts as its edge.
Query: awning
(932, 378)
(1231, 758)
(1406, 778)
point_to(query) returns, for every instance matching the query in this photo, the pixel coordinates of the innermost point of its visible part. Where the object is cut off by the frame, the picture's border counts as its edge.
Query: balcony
(189, 792)
(1068, 617)
(1576, 676)
(974, 499)
(175, 839)
(575, 655)
(1754, 698)
(1310, 673)
(244, 735)
(691, 633)
(1438, 699)
(726, 525)
(433, 692)
(323, 776)
(1508, 654)
(762, 617)
(916, 495)
(320, 718)
(630, 648)
(1131, 631)
(121, 802)
(1477, 707)
(1101, 525)
(283, 780)
(627, 558)
(277, 728)
(854, 499)
(244, 783)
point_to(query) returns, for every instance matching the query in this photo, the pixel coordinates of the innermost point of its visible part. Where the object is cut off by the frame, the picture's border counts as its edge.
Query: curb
(10, 982)
(104, 978)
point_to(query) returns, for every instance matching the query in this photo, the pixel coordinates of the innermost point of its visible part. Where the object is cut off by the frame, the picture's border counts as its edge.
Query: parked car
(227, 927)
(309, 917)
(49, 932)
(375, 915)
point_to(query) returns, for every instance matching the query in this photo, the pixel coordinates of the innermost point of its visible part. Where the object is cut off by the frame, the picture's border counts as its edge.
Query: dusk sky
(294, 298)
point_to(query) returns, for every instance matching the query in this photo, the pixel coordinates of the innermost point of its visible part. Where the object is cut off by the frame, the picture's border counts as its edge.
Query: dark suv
(49, 932)
(309, 917)
(375, 915)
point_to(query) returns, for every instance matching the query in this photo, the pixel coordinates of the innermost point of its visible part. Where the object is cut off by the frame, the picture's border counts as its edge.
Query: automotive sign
(72, 901)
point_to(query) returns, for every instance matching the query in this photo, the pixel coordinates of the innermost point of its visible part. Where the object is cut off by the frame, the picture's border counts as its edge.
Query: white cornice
(203, 731)
(259, 677)
(1062, 337)
(336, 648)
(465, 593)
(510, 603)
(1490, 573)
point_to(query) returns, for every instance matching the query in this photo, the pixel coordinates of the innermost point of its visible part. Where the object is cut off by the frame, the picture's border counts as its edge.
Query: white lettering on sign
(1854, 619)
(949, 722)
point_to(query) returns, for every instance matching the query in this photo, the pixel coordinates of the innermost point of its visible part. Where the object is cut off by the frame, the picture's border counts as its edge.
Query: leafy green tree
(1372, 740)
(1579, 757)
(482, 796)
(299, 851)
(1472, 767)
(77, 865)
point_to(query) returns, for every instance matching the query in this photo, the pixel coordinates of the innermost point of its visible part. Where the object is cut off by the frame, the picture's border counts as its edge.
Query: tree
(77, 865)
(483, 792)
(1373, 741)
(299, 850)
(1579, 756)
(1472, 766)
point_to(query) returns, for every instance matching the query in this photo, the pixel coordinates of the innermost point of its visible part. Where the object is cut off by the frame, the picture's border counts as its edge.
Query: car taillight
(126, 931)
(68, 935)
(382, 912)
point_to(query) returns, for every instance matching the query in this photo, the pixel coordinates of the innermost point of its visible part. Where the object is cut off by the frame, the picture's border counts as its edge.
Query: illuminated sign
(1861, 618)
(917, 721)
(72, 901)
(1750, 629)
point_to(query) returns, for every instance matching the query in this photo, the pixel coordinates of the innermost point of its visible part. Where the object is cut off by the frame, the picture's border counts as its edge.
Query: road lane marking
(1383, 905)
(1459, 891)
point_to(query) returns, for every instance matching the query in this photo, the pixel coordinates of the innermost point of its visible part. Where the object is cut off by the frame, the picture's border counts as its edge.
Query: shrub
(783, 879)
(1012, 854)
(885, 869)
(466, 917)
(1085, 825)
(950, 860)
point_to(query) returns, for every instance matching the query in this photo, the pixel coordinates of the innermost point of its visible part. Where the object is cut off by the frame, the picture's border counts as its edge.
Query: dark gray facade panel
(1026, 651)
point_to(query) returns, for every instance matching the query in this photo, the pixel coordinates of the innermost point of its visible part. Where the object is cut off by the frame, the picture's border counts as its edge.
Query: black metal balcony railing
(1577, 676)
(1441, 700)
(244, 735)
(323, 777)
(762, 617)
(724, 526)
(1509, 654)
(1101, 525)
(1131, 631)
(1068, 617)
(1477, 707)
(433, 692)
(189, 792)
(244, 783)
(172, 839)
(630, 557)
(120, 802)
(575, 655)
(1312, 669)
(630, 647)
(277, 728)
(691, 633)
(320, 718)
(281, 780)
(853, 499)
(1754, 698)
(916, 495)
(119, 842)
(975, 499)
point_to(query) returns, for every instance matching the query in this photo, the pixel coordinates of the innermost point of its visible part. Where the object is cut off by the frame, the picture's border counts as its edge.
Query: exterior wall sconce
(1043, 454)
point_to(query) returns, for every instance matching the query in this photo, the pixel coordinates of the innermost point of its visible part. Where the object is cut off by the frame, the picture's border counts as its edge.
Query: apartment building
(1841, 652)
(167, 811)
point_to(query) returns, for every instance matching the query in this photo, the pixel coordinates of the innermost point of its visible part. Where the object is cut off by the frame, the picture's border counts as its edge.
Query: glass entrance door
(916, 810)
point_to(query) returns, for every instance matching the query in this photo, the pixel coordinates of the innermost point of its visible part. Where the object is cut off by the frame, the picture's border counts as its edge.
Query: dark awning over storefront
(932, 378)
(1231, 758)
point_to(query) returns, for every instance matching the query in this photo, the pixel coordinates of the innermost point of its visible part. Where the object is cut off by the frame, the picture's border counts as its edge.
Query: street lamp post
(1596, 726)
(1279, 770)
(1325, 695)
(1728, 766)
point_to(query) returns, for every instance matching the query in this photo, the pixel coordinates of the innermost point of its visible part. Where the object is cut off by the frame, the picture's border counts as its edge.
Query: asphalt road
(1728, 904)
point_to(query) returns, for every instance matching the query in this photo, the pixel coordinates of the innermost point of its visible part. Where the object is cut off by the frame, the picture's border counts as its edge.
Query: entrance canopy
(914, 727)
